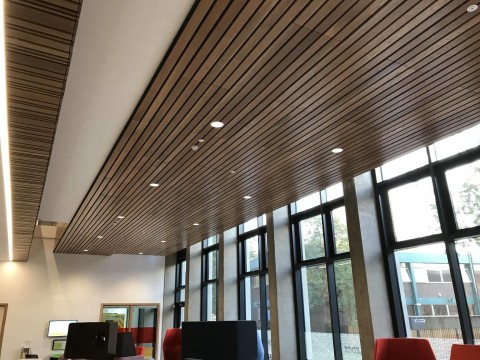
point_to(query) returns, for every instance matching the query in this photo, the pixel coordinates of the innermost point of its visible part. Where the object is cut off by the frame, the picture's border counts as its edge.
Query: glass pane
(311, 236)
(182, 295)
(252, 300)
(212, 265)
(316, 304)
(464, 186)
(119, 314)
(250, 225)
(269, 332)
(183, 273)
(251, 254)
(263, 220)
(307, 202)
(404, 164)
(212, 240)
(468, 251)
(334, 192)
(144, 329)
(430, 301)
(347, 311)
(340, 231)
(414, 211)
(467, 139)
(211, 302)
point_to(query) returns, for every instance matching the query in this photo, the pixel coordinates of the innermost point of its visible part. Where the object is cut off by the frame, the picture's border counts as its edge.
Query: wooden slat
(291, 80)
(39, 39)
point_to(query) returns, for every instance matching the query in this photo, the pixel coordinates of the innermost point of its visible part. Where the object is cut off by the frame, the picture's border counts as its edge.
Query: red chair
(172, 345)
(401, 349)
(465, 352)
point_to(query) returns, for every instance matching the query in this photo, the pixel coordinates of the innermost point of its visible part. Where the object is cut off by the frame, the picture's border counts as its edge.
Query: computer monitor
(91, 340)
(219, 340)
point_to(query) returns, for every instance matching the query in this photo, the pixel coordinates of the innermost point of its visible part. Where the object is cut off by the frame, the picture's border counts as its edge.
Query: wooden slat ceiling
(39, 40)
(291, 80)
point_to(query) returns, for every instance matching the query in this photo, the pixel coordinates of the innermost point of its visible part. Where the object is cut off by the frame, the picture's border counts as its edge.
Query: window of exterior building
(253, 278)
(431, 224)
(209, 301)
(180, 282)
(326, 310)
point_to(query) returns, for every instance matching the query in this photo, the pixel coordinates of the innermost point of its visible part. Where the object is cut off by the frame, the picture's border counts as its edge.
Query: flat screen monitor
(59, 328)
(219, 340)
(91, 340)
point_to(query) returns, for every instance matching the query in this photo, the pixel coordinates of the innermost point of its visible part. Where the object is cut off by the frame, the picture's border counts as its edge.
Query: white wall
(58, 286)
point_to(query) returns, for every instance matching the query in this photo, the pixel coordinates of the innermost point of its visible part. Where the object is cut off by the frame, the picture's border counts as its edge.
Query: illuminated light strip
(4, 134)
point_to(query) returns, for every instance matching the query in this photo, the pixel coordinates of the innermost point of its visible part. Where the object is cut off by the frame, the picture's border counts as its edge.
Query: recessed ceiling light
(100, 237)
(200, 140)
(337, 150)
(120, 217)
(232, 171)
(194, 147)
(140, 253)
(154, 185)
(247, 197)
(85, 250)
(163, 241)
(472, 8)
(216, 124)
(196, 224)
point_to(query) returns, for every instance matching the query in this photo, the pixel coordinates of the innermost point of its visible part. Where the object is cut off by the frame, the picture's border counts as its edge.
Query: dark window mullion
(335, 318)
(264, 312)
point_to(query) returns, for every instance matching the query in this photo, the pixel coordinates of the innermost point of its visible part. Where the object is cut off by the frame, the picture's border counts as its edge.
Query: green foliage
(470, 197)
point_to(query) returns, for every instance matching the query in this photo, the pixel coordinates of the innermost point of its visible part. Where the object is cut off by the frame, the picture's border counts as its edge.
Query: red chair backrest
(172, 344)
(465, 352)
(401, 349)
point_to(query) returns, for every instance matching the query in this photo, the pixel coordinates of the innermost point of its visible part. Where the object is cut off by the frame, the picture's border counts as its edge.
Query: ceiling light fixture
(154, 185)
(140, 253)
(195, 147)
(200, 140)
(4, 136)
(232, 172)
(100, 237)
(472, 8)
(216, 124)
(85, 250)
(196, 224)
(337, 150)
(247, 197)
(120, 217)
(163, 241)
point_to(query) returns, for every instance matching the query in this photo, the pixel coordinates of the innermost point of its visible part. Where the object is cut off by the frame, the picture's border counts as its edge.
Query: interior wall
(59, 286)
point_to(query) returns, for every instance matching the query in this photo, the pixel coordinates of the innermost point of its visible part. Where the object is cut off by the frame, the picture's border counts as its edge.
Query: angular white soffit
(118, 46)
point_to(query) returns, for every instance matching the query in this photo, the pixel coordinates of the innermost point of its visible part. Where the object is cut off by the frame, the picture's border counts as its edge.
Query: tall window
(209, 279)
(327, 318)
(253, 277)
(431, 221)
(180, 279)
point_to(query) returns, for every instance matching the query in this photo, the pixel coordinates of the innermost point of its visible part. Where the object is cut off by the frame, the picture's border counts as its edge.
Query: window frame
(262, 272)
(450, 233)
(324, 210)
(206, 250)
(178, 304)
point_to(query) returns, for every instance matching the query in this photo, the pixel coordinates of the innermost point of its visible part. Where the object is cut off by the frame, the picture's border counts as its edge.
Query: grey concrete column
(369, 277)
(228, 276)
(193, 285)
(282, 306)
(168, 295)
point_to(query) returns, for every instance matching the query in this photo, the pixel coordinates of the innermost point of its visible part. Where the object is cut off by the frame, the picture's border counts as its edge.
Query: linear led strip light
(4, 146)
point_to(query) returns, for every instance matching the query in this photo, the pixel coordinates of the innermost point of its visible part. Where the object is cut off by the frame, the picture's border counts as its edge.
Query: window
(180, 281)
(253, 278)
(209, 279)
(327, 318)
(431, 225)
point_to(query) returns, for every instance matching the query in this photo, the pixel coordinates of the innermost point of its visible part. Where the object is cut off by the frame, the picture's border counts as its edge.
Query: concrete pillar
(193, 286)
(282, 305)
(168, 295)
(228, 276)
(369, 276)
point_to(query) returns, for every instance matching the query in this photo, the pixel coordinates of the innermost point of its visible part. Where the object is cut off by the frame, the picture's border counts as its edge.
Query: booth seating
(401, 349)
(465, 352)
(172, 344)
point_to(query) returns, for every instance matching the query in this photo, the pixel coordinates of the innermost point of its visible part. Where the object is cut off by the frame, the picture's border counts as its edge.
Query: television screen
(59, 328)
(91, 340)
